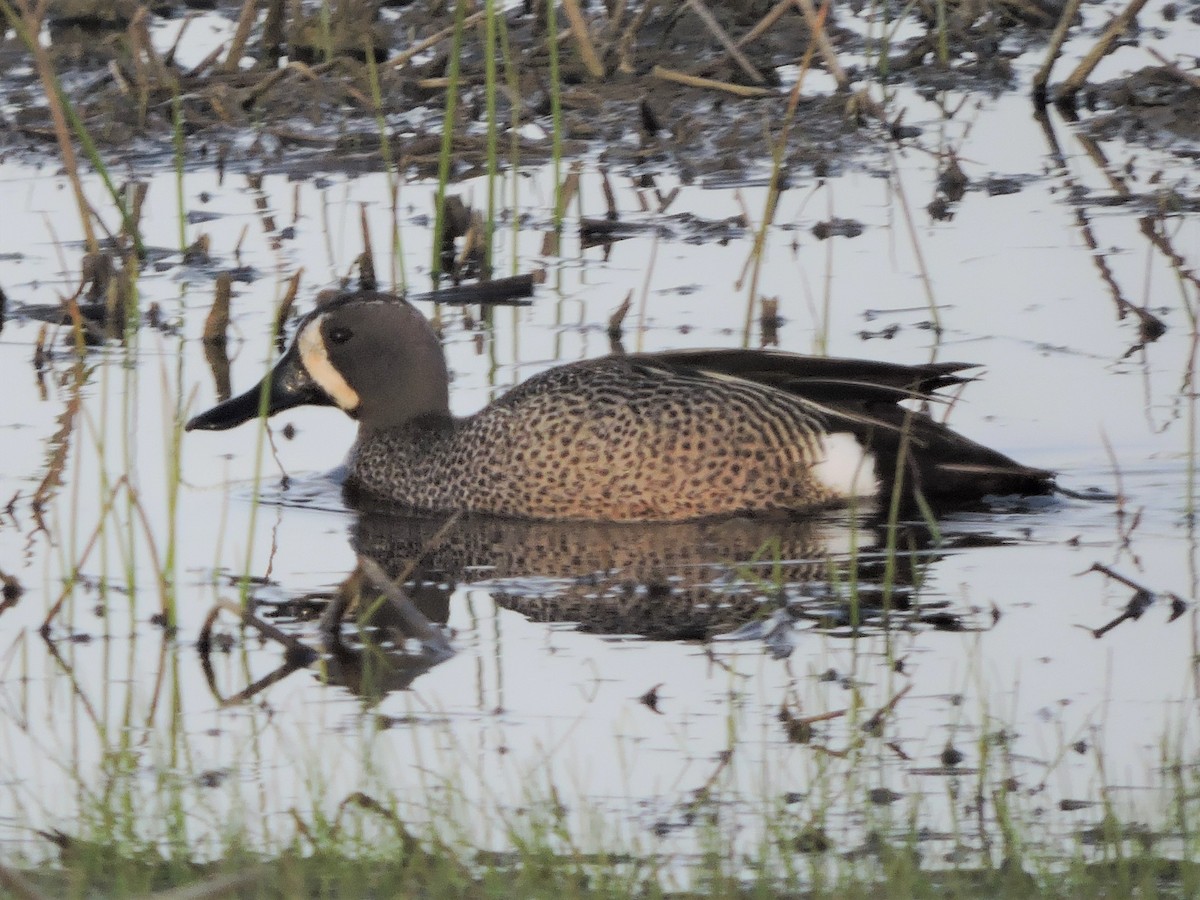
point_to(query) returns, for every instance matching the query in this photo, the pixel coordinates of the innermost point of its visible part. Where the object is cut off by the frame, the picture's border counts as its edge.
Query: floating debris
(836, 227)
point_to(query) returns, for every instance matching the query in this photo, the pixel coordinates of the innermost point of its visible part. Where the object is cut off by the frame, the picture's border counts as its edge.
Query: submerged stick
(415, 620)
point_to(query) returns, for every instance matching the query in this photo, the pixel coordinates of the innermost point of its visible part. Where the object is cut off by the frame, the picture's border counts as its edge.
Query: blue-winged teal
(644, 437)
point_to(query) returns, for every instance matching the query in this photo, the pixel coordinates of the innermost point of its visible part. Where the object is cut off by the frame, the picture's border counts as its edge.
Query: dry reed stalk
(30, 26)
(816, 25)
(366, 267)
(625, 41)
(764, 24)
(40, 354)
(710, 84)
(286, 304)
(147, 65)
(217, 324)
(1057, 39)
(1069, 88)
(218, 363)
(262, 85)
(570, 188)
(205, 64)
(583, 39)
(472, 241)
(617, 319)
(610, 199)
(875, 722)
(1182, 269)
(237, 248)
(241, 35)
(616, 15)
(137, 200)
(410, 844)
(169, 56)
(401, 59)
(721, 35)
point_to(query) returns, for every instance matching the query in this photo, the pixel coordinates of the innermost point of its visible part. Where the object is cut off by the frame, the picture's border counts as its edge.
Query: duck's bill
(289, 385)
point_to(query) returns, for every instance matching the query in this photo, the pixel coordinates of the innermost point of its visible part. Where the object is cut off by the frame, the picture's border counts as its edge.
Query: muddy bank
(286, 91)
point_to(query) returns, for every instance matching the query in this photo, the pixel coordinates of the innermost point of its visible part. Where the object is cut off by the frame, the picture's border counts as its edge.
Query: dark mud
(316, 111)
(1156, 106)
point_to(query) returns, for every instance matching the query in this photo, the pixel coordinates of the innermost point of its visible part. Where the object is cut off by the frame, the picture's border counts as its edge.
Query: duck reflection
(677, 581)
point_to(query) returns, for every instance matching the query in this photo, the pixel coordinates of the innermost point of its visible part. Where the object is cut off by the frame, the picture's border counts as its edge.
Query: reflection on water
(834, 573)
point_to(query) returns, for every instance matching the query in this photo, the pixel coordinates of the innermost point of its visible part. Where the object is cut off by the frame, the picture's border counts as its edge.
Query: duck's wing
(863, 397)
(821, 379)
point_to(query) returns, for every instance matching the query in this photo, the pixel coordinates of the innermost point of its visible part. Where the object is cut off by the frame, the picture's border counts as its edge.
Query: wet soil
(1157, 105)
(317, 111)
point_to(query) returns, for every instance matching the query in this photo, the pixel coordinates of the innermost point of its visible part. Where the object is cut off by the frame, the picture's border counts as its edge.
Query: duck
(662, 436)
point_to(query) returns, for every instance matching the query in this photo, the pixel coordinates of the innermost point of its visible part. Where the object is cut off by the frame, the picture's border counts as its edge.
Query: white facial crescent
(315, 357)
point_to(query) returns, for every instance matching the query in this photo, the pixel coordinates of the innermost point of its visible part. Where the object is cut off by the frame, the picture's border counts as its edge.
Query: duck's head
(371, 354)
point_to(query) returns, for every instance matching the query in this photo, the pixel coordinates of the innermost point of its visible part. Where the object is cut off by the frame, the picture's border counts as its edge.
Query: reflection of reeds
(60, 442)
(120, 488)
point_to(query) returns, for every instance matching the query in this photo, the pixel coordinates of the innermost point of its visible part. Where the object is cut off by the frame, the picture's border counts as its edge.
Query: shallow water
(994, 655)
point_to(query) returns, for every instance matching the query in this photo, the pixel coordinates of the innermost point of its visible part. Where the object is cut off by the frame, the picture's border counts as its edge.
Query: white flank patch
(846, 468)
(315, 357)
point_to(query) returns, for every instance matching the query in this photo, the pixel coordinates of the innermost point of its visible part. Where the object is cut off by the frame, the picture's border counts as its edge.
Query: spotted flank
(646, 437)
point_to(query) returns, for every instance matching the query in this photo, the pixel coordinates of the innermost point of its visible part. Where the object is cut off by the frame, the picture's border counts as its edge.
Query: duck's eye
(340, 334)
